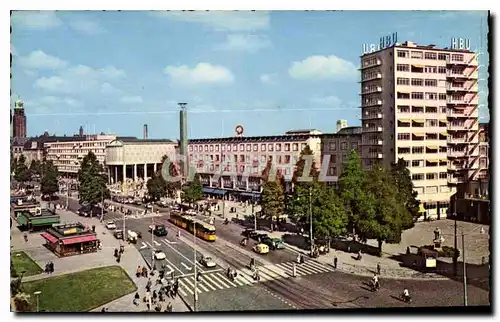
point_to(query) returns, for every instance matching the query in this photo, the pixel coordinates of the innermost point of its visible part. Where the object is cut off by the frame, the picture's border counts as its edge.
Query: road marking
(175, 250)
(200, 284)
(149, 245)
(276, 270)
(192, 285)
(185, 287)
(144, 245)
(207, 278)
(245, 278)
(221, 282)
(173, 266)
(156, 243)
(169, 272)
(185, 266)
(269, 272)
(225, 279)
(170, 242)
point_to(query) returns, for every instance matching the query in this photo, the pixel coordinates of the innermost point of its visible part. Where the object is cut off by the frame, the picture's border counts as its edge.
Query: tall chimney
(183, 138)
(145, 131)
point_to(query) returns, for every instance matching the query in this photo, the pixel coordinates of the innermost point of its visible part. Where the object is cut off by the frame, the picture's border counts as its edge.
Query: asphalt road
(316, 286)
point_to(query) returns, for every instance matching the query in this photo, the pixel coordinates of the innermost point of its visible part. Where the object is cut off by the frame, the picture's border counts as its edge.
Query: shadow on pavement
(477, 275)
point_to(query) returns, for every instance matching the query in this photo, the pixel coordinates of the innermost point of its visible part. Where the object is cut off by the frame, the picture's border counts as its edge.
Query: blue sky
(269, 71)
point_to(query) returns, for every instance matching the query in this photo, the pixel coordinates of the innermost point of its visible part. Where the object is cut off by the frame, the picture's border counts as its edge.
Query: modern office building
(19, 120)
(420, 103)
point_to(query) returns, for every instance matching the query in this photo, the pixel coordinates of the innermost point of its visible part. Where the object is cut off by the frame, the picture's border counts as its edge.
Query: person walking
(139, 271)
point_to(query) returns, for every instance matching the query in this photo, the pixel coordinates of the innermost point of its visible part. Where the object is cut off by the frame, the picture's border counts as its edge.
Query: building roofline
(288, 137)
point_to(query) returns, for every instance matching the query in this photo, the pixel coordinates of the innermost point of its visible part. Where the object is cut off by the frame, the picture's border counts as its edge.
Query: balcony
(456, 154)
(375, 156)
(373, 129)
(460, 127)
(372, 103)
(452, 140)
(457, 113)
(451, 100)
(463, 75)
(376, 89)
(377, 62)
(376, 76)
(374, 116)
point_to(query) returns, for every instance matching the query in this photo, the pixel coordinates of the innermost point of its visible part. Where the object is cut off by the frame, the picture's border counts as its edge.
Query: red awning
(80, 239)
(49, 238)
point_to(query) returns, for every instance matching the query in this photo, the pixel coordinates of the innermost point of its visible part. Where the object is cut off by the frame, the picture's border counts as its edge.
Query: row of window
(421, 124)
(421, 109)
(421, 137)
(417, 82)
(75, 151)
(421, 96)
(429, 176)
(332, 146)
(69, 145)
(416, 54)
(424, 163)
(420, 150)
(247, 147)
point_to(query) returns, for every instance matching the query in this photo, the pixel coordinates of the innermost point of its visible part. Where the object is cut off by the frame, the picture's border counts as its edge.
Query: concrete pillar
(154, 168)
(116, 173)
(124, 178)
(210, 181)
(135, 172)
(221, 182)
(246, 184)
(145, 171)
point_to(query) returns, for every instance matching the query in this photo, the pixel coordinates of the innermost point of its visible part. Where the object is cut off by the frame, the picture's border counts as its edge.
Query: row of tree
(44, 169)
(374, 203)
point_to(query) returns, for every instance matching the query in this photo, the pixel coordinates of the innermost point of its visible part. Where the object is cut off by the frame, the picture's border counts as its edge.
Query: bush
(447, 251)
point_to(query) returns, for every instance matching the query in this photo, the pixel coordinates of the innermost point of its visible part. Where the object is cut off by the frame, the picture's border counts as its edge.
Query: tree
(92, 179)
(383, 214)
(329, 218)
(272, 199)
(351, 188)
(299, 167)
(174, 171)
(193, 191)
(21, 172)
(157, 187)
(36, 167)
(406, 191)
(13, 162)
(49, 182)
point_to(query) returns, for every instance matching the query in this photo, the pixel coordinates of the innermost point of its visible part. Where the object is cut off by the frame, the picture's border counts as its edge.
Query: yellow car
(261, 248)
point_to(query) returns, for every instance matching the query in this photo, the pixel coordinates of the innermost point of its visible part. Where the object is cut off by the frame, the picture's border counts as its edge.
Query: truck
(158, 230)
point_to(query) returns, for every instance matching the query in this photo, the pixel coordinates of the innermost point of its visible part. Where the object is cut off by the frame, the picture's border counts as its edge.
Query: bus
(204, 230)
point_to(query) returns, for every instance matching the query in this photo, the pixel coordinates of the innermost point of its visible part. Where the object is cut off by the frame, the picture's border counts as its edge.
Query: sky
(270, 71)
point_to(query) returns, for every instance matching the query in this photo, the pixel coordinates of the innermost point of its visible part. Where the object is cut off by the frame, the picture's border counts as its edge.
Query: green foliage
(352, 188)
(13, 162)
(383, 215)
(193, 191)
(405, 189)
(272, 199)
(21, 171)
(300, 165)
(36, 167)
(49, 183)
(92, 181)
(157, 187)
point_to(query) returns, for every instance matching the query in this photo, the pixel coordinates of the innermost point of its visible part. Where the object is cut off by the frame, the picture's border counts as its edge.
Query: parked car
(259, 237)
(273, 243)
(110, 225)
(158, 230)
(86, 211)
(159, 255)
(207, 261)
(118, 234)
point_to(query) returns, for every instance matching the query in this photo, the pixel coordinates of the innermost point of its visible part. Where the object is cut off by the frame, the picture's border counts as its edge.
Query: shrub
(447, 251)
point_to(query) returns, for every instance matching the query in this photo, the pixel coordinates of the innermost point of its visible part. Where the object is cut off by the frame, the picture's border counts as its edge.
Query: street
(315, 286)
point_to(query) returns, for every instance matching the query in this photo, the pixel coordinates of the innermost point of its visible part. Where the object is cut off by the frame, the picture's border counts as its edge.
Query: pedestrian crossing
(213, 281)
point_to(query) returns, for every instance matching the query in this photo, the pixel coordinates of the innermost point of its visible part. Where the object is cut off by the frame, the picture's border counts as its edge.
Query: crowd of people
(155, 298)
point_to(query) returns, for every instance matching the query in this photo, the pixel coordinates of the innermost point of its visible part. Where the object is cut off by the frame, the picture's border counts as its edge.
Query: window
(295, 147)
(354, 145)
(417, 82)
(431, 123)
(403, 81)
(430, 69)
(263, 147)
(403, 53)
(430, 109)
(431, 136)
(442, 96)
(441, 70)
(431, 176)
(333, 146)
(217, 148)
(442, 56)
(431, 96)
(242, 147)
(416, 54)
(343, 146)
(344, 157)
(302, 146)
(431, 82)
(228, 147)
(457, 57)
(417, 149)
(430, 55)
(417, 95)
(249, 147)
(206, 148)
(403, 95)
(403, 67)
(417, 176)
(442, 109)
(403, 150)
(190, 148)
(416, 163)
(270, 147)
(287, 147)
(403, 109)
(211, 148)
(278, 147)
(333, 158)
(404, 136)
(443, 175)
(255, 147)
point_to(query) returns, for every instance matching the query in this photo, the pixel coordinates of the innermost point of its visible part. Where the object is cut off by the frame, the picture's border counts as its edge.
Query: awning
(79, 239)
(421, 208)
(419, 135)
(404, 121)
(49, 238)
(444, 160)
(45, 221)
(418, 66)
(433, 147)
(249, 194)
(433, 160)
(214, 191)
(443, 134)
(419, 121)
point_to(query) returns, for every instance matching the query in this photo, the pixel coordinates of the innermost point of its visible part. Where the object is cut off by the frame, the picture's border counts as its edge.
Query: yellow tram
(204, 230)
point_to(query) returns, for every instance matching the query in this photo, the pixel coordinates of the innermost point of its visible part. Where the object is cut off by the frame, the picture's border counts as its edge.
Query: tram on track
(204, 230)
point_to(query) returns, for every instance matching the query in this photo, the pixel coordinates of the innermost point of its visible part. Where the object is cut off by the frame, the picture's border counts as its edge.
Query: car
(248, 232)
(191, 212)
(259, 237)
(158, 230)
(273, 243)
(159, 255)
(207, 261)
(118, 234)
(110, 225)
(261, 248)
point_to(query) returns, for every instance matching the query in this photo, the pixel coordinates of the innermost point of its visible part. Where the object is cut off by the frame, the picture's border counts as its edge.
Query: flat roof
(266, 138)
(70, 230)
(421, 47)
(144, 141)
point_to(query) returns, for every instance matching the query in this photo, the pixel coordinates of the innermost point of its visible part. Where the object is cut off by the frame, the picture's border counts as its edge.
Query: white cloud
(203, 73)
(323, 67)
(48, 104)
(108, 89)
(267, 79)
(112, 72)
(85, 26)
(331, 101)
(241, 42)
(13, 50)
(222, 20)
(131, 100)
(40, 20)
(53, 84)
(40, 60)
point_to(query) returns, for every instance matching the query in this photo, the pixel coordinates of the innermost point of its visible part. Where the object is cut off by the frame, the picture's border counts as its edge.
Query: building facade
(484, 147)
(19, 120)
(67, 153)
(131, 158)
(336, 148)
(243, 159)
(420, 103)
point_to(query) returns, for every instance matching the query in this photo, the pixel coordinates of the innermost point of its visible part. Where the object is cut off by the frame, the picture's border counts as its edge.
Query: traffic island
(22, 263)
(81, 291)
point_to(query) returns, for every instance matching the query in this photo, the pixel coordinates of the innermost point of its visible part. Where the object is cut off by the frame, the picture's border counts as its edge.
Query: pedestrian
(122, 249)
(116, 252)
(51, 267)
(335, 261)
(25, 237)
(169, 307)
(155, 295)
(145, 272)
(378, 268)
(169, 288)
(139, 271)
(408, 250)
(160, 296)
(149, 282)
(93, 228)
(118, 258)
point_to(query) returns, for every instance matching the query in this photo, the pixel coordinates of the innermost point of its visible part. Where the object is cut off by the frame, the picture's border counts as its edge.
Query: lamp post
(37, 293)
(195, 270)
(152, 243)
(253, 213)
(310, 221)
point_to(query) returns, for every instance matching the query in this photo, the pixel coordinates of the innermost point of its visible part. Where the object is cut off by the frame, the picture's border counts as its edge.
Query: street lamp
(195, 274)
(253, 213)
(37, 293)
(310, 220)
